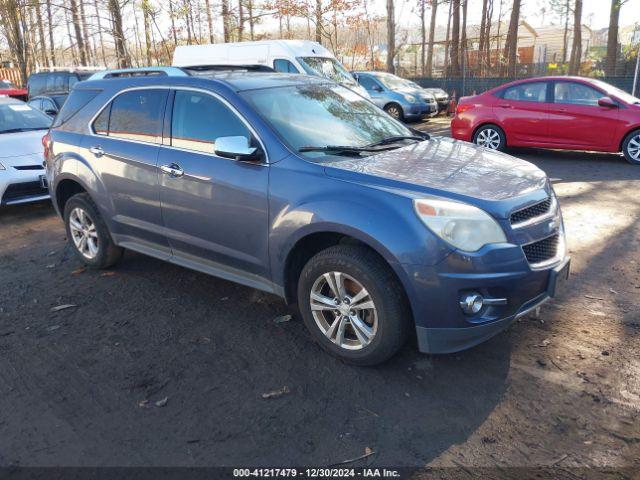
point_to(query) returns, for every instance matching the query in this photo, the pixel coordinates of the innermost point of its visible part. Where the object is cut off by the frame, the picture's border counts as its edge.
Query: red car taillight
(46, 143)
(463, 108)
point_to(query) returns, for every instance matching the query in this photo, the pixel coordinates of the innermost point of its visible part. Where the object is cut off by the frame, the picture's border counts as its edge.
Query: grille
(536, 210)
(542, 250)
(29, 167)
(18, 191)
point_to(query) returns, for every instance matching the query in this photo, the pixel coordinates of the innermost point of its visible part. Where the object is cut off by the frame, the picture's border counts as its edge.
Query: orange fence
(11, 74)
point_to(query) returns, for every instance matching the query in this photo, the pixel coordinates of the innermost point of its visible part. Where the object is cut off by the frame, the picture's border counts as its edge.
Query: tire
(386, 325)
(395, 110)
(485, 137)
(631, 147)
(81, 211)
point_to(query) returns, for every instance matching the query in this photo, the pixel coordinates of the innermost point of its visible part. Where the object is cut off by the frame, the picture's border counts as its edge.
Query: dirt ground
(156, 365)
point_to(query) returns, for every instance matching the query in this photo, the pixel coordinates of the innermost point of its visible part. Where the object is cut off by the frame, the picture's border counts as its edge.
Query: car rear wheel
(88, 234)
(491, 137)
(353, 305)
(631, 147)
(395, 111)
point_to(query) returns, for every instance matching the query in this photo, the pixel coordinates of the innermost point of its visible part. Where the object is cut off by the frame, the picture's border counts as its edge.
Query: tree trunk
(423, 38)
(252, 22)
(146, 7)
(511, 48)
(100, 37)
(576, 47)
(391, 36)
(432, 31)
(225, 20)
(565, 39)
(75, 16)
(173, 23)
(72, 43)
(487, 37)
(43, 41)
(446, 43)
(455, 39)
(612, 39)
(481, 40)
(240, 20)
(207, 6)
(463, 38)
(52, 47)
(318, 13)
(85, 33)
(124, 60)
(13, 26)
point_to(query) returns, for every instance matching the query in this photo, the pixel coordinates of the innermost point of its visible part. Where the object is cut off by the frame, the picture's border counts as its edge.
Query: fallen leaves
(276, 393)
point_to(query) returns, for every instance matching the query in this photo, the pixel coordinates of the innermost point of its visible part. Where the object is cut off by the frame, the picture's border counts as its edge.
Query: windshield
(392, 82)
(16, 117)
(317, 115)
(621, 94)
(328, 68)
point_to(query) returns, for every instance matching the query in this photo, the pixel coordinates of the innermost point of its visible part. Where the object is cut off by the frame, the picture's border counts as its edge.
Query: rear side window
(199, 119)
(284, 66)
(74, 103)
(135, 115)
(527, 92)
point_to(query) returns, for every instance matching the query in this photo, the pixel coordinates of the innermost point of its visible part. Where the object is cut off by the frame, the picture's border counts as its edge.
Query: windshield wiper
(16, 130)
(344, 148)
(396, 138)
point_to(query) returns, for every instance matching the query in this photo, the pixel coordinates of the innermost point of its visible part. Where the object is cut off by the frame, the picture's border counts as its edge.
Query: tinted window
(576, 94)
(284, 66)
(199, 119)
(368, 83)
(57, 82)
(77, 100)
(36, 84)
(36, 103)
(101, 124)
(137, 115)
(527, 92)
(48, 105)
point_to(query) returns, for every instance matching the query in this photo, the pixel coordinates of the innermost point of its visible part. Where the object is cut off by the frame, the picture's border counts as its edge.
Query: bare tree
(454, 52)
(100, 37)
(12, 21)
(391, 37)
(75, 18)
(576, 47)
(43, 42)
(226, 27)
(252, 20)
(423, 36)
(432, 31)
(240, 20)
(89, 52)
(207, 7)
(463, 37)
(318, 14)
(511, 45)
(146, 13)
(52, 47)
(122, 55)
(612, 38)
(172, 17)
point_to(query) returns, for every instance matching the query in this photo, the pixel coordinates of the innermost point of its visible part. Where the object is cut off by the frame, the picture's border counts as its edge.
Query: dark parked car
(50, 105)
(55, 81)
(300, 187)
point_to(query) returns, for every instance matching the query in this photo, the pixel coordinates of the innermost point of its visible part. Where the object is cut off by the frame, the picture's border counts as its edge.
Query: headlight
(410, 98)
(463, 226)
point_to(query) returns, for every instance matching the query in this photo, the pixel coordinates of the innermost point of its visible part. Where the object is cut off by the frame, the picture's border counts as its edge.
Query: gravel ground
(156, 365)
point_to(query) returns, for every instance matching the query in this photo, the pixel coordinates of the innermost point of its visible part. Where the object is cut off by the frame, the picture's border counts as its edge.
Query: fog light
(471, 303)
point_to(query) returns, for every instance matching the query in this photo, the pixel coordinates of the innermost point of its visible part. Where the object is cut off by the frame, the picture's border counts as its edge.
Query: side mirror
(377, 88)
(51, 113)
(607, 102)
(236, 147)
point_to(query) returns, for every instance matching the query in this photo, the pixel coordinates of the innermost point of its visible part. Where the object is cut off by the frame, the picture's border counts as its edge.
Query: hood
(449, 168)
(21, 143)
(416, 92)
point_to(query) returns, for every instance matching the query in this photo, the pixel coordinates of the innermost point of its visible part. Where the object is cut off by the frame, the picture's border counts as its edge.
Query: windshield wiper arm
(396, 138)
(343, 148)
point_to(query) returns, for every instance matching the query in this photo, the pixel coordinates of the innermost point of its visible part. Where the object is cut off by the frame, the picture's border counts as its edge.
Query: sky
(595, 12)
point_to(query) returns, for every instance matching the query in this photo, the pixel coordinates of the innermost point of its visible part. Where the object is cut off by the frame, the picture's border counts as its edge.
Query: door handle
(97, 151)
(505, 105)
(172, 170)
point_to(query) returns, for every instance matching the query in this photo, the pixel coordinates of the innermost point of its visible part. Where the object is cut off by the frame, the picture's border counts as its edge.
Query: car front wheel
(491, 137)
(353, 305)
(88, 234)
(395, 111)
(631, 147)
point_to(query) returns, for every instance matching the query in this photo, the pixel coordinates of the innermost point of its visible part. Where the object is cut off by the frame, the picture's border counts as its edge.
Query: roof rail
(140, 72)
(205, 69)
(70, 69)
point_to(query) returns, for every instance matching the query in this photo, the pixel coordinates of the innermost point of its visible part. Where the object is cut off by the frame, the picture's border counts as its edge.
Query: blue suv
(400, 98)
(300, 187)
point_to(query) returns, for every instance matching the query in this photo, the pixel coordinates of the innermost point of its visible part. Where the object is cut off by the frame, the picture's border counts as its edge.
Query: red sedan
(10, 90)
(568, 113)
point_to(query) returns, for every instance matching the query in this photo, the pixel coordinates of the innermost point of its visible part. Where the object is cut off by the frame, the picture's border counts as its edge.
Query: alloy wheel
(633, 148)
(83, 233)
(344, 310)
(394, 112)
(488, 138)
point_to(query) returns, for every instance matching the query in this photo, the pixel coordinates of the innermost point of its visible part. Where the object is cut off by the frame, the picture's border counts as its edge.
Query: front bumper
(449, 340)
(419, 110)
(443, 105)
(23, 185)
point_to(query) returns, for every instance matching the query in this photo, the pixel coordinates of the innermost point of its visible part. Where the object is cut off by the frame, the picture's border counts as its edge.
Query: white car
(22, 176)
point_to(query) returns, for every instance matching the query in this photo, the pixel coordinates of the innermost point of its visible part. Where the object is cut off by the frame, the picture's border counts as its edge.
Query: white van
(287, 56)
